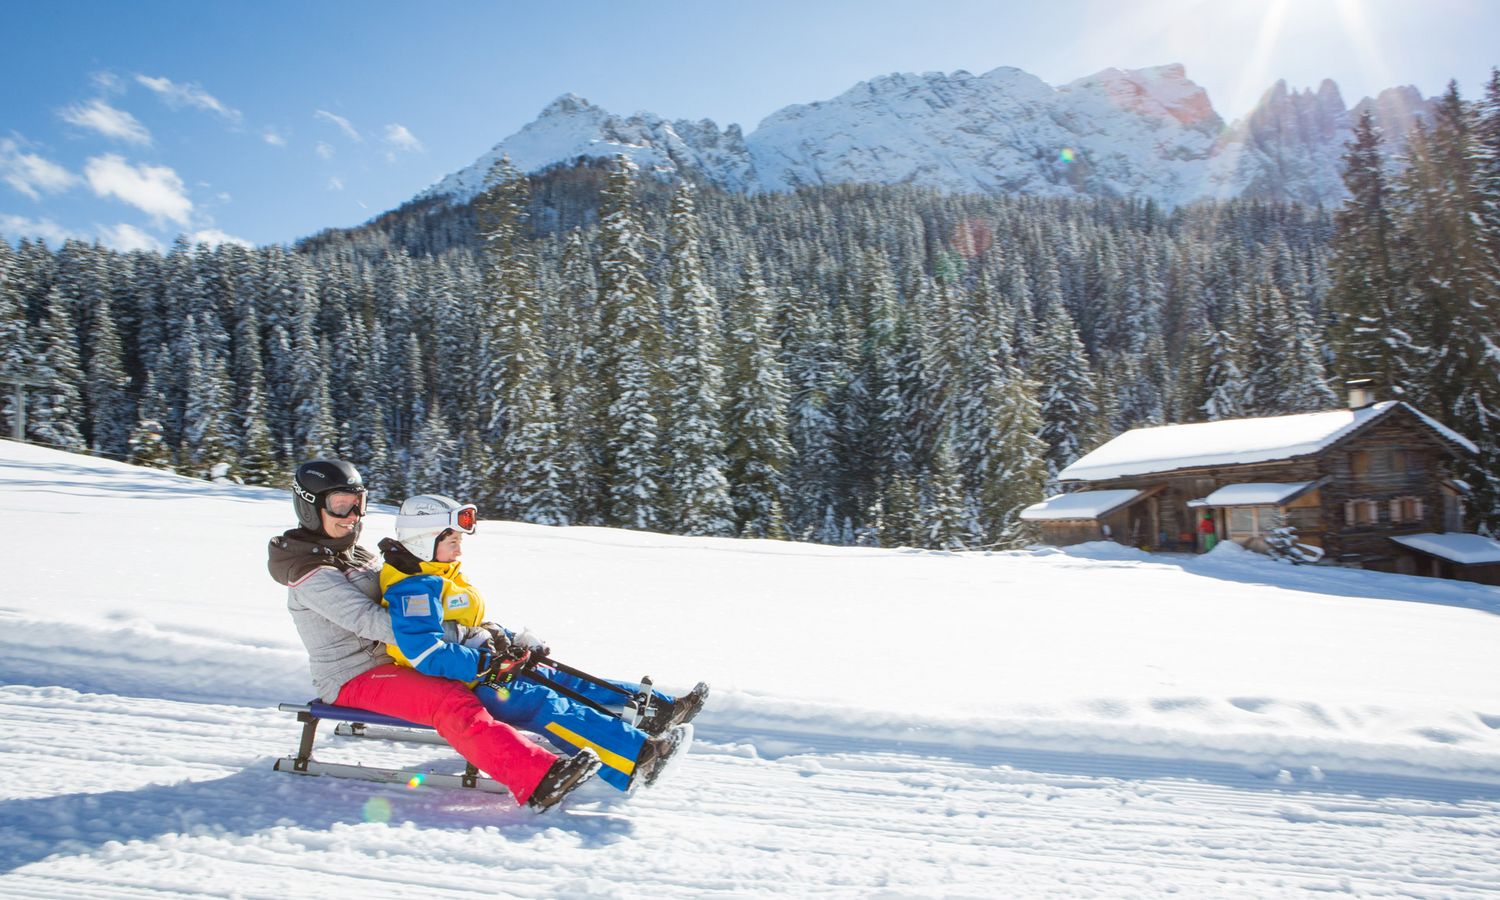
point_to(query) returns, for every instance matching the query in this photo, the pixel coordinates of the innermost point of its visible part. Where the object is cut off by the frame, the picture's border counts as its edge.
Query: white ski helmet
(425, 518)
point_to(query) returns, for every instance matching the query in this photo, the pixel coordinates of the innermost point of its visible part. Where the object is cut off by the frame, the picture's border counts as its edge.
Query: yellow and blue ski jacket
(435, 614)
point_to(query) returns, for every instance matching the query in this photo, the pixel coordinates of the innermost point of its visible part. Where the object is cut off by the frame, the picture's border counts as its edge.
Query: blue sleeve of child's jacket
(417, 619)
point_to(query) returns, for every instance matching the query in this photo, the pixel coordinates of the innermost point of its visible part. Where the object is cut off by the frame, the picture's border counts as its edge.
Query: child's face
(450, 548)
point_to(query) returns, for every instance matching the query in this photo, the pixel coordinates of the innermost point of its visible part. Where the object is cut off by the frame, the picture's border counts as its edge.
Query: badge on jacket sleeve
(416, 605)
(458, 601)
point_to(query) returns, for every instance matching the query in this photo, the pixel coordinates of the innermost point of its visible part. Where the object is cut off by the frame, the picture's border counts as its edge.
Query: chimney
(1361, 392)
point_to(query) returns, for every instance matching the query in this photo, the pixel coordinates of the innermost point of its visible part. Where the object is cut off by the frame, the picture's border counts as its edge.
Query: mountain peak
(1148, 132)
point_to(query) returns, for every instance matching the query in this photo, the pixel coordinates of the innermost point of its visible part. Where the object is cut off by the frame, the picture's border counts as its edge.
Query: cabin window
(1361, 512)
(1406, 509)
(1251, 521)
(1359, 463)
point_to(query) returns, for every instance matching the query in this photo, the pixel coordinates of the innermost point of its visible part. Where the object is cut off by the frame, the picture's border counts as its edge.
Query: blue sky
(132, 122)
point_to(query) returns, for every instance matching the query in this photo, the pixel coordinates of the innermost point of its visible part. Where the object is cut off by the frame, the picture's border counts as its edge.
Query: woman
(333, 589)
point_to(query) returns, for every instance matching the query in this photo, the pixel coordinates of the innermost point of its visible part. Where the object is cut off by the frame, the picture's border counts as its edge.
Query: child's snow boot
(565, 775)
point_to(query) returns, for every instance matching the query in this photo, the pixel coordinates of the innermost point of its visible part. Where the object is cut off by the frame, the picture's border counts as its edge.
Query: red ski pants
(451, 708)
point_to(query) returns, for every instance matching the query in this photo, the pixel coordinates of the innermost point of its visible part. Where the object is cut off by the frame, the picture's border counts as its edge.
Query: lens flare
(377, 809)
(416, 781)
(1067, 156)
(972, 238)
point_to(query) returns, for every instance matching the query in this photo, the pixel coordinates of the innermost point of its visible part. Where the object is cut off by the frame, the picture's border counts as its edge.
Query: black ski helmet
(317, 478)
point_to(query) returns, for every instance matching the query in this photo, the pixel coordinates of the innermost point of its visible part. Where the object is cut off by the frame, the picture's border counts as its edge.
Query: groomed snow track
(122, 797)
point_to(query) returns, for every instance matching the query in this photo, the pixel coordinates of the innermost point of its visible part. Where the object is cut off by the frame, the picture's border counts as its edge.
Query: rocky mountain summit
(1150, 133)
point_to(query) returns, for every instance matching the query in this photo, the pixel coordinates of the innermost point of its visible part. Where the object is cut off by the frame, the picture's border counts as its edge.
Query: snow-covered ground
(1096, 722)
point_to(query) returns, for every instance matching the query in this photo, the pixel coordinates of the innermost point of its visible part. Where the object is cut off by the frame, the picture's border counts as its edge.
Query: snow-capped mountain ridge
(1150, 133)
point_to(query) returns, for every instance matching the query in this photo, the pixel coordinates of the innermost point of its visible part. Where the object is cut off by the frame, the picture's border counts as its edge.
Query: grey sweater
(341, 622)
(333, 594)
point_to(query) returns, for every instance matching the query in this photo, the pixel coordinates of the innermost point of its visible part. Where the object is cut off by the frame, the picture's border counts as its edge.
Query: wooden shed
(1347, 480)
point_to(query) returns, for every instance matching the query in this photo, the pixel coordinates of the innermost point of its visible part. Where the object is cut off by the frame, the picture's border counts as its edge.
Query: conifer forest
(877, 365)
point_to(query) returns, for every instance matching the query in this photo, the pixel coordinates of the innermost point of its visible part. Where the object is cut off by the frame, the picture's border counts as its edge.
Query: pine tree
(1455, 280)
(56, 410)
(1012, 459)
(434, 458)
(1372, 335)
(630, 359)
(14, 342)
(943, 511)
(111, 413)
(759, 451)
(1066, 391)
(694, 437)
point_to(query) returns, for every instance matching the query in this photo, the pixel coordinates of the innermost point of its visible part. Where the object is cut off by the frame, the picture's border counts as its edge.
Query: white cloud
(324, 149)
(30, 174)
(215, 237)
(190, 95)
(96, 115)
(17, 227)
(344, 124)
(335, 183)
(155, 190)
(402, 139)
(125, 238)
(273, 137)
(108, 82)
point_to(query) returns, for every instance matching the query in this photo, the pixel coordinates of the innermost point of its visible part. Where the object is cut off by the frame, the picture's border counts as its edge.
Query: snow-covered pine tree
(1455, 278)
(208, 427)
(1476, 410)
(1012, 460)
(14, 344)
(525, 480)
(434, 463)
(1226, 389)
(578, 375)
(694, 442)
(1371, 336)
(759, 451)
(810, 357)
(1060, 367)
(944, 516)
(630, 358)
(55, 416)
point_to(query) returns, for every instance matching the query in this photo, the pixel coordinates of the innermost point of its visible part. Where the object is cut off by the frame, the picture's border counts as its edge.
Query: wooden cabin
(1349, 481)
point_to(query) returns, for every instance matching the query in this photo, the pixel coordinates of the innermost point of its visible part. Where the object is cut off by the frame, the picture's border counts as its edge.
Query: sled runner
(357, 722)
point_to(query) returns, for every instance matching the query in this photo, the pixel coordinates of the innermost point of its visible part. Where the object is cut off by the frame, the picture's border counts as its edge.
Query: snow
(1095, 721)
(1255, 494)
(1466, 549)
(1078, 505)
(1167, 448)
(1146, 133)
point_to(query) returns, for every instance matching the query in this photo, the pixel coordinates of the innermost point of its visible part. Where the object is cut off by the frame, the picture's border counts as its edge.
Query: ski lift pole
(20, 383)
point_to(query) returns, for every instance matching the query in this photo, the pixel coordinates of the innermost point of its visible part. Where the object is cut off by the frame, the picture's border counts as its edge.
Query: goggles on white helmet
(462, 519)
(424, 520)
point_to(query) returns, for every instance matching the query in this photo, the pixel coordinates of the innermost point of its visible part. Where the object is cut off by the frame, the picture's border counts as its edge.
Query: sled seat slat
(320, 710)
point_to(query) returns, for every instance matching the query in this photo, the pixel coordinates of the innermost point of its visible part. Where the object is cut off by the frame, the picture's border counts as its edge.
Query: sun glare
(1255, 75)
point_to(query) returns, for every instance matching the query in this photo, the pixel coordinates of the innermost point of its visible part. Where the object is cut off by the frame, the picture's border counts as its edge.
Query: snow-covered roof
(1167, 448)
(1465, 549)
(1257, 493)
(1078, 505)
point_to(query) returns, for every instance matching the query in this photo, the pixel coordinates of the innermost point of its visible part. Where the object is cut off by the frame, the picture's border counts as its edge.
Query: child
(438, 620)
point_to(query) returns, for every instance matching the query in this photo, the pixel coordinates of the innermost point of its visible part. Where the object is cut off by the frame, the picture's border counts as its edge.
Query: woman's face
(340, 526)
(449, 548)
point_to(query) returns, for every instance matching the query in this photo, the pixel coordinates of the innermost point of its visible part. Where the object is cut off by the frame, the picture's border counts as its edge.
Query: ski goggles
(464, 519)
(342, 504)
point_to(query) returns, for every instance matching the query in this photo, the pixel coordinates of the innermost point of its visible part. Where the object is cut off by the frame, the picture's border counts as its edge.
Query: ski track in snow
(1095, 722)
(120, 796)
